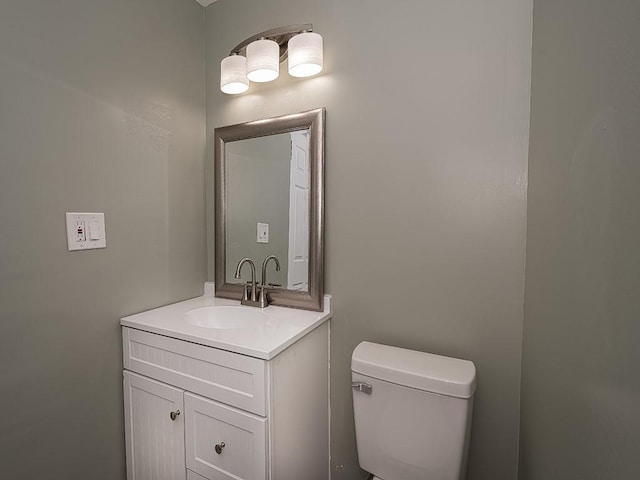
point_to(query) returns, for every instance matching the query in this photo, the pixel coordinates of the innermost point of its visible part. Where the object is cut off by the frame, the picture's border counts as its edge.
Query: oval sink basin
(226, 317)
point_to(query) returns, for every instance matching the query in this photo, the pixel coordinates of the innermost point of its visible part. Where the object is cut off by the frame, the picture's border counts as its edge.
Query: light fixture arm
(280, 35)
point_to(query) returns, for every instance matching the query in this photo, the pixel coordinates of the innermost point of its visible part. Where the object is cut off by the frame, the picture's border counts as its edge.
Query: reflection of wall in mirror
(257, 176)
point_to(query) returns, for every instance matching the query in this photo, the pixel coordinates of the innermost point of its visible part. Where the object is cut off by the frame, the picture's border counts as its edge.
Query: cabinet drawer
(209, 424)
(228, 377)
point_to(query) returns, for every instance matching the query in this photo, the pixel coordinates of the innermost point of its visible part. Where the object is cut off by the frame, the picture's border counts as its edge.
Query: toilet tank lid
(424, 371)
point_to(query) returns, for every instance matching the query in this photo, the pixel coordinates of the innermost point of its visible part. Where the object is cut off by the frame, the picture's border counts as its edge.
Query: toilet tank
(415, 421)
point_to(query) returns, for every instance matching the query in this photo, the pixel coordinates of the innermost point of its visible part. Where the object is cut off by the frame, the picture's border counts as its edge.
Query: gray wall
(101, 109)
(426, 173)
(258, 176)
(581, 371)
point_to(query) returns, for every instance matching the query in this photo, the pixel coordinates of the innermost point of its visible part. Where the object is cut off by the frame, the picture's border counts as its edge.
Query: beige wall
(581, 371)
(426, 172)
(101, 109)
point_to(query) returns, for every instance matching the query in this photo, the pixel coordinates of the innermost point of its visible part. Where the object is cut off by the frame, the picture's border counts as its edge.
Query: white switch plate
(85, 231)
(263, 233)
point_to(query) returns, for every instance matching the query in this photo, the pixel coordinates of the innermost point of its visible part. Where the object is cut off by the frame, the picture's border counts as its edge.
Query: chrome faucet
(264, 267)
(263, 300)
(249, 290)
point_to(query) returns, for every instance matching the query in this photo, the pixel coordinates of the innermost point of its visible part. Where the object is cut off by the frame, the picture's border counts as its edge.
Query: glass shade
(305, 54)
(233, 75)
(263, 61)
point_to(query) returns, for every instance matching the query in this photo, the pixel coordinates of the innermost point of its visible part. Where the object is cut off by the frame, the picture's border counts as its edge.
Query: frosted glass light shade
(263, 61)
(233, 75)
(305, 54)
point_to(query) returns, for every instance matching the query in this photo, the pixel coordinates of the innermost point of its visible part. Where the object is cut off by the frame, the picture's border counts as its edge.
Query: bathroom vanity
(222, 391)
(215, 390)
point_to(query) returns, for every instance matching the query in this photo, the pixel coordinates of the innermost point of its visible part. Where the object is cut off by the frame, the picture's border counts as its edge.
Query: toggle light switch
(94, 231)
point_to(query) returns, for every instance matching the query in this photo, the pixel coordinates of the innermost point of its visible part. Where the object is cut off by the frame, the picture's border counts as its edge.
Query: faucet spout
(263, 301)
(264, 267)
(253, 278)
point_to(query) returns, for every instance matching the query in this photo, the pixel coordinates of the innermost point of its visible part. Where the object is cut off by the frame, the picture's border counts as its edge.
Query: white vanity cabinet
(197, 412)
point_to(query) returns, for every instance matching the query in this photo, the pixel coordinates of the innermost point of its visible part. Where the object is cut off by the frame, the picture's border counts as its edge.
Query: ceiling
(204, 3)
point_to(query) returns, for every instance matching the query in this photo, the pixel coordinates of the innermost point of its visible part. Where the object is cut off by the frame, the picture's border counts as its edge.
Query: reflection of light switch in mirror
(263, 233)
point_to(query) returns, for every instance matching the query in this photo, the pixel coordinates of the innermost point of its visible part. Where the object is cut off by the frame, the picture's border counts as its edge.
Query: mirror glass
(267, 202)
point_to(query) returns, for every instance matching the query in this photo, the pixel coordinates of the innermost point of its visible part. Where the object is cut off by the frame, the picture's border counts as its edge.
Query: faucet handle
(264, 291)
(263, 300)
(246, 291)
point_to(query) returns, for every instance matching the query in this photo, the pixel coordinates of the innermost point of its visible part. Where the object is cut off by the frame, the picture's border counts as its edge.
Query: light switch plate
(263, 233)
(85, 231)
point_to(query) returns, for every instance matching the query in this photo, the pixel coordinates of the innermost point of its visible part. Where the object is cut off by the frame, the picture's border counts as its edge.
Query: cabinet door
(154, 437)
(224, 443)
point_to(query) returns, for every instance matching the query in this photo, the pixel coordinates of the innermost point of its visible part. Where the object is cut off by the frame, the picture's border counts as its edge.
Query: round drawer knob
(219, 447)
(174, 415)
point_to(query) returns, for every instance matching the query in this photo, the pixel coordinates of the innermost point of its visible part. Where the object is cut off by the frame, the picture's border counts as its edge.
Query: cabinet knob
(219, 447)
(174, 415)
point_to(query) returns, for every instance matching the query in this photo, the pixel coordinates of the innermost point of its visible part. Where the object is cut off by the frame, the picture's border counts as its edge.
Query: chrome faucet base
(261, 301)
(251, 303)
(247, 299)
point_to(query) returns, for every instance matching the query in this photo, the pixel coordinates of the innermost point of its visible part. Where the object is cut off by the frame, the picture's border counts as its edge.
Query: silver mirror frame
(314, 121)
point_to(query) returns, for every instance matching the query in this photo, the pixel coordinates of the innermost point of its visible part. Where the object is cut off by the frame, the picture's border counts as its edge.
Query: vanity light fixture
(305, 55)
(258, 58)
(263, 60)
(233, 74)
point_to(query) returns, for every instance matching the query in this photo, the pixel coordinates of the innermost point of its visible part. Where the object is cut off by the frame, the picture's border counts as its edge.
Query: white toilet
(412, 412)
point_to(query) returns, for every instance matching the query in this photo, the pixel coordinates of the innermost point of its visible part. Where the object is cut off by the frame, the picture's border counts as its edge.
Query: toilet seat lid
(424, 371)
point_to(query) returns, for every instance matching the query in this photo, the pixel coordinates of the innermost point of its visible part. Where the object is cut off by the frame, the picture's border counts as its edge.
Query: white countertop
(284, 326)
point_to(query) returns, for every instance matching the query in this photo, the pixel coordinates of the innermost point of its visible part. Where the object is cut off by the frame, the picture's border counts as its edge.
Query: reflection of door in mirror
(298, 260)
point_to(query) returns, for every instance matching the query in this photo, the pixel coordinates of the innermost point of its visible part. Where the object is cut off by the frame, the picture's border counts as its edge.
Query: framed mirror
(269, 200)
